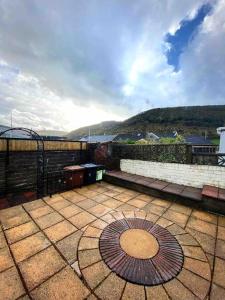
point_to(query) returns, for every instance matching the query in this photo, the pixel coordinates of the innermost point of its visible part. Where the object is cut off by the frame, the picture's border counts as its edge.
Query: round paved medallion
(140, 251)
(139, 243)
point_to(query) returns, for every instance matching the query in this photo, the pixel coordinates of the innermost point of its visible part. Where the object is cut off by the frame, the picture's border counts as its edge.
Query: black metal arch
(40, 156)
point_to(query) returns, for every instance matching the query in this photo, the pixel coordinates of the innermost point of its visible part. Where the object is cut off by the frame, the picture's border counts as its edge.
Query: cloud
(65, 64)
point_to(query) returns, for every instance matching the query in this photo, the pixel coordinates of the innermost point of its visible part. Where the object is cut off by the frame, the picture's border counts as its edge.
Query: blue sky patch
(179, 41)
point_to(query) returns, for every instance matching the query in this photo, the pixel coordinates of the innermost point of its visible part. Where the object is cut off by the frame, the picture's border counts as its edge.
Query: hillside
(186, 120)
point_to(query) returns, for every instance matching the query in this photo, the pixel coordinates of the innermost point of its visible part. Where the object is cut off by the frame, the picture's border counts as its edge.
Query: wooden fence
(31, 145)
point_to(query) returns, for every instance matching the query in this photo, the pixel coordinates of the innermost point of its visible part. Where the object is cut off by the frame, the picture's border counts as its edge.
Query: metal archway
(40, 156)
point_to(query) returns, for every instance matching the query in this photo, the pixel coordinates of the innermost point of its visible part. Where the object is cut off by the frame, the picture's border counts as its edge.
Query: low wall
(191, 175)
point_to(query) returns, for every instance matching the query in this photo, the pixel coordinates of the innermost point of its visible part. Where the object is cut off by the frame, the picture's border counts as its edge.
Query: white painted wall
(191, 175)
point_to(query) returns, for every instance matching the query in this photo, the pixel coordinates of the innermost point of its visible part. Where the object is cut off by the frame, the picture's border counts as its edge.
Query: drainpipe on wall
(221, 132)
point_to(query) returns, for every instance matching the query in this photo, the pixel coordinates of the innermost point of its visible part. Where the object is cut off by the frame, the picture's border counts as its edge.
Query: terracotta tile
(210, 260)
(59, 231)
(111, 193)
(131, 193)
(29, 246)
(194, 252)
(69, 194)
(99, 224)
(26, 297)
(206, 241)
(141, 214)
(69, 245)
(11, 212)
(195, 283)
(128, 214)
(221, 221)
(151, 217)
(161, 202)
(95, 274)
(156, 293)
(40, 267)
(155, 209)
(6, 260)
(118, 215)
(88, 257)
(198, 267)
(181, 209)
(126, 207)
(53, 199)
(176, 217)
(112, 283)
(11, 286)
(108, 218)
(15, 221)
(99, 210)
(202, 226)
(19, 232)
(90, 194)
(88, 243)
(34, 204)
(205, 216)
(60, 204)
(220, 249)
(63, 285)
(87, 203)
(49, 220)
(221, 233)
(186, 239)
(82, 219)
(76, 268)
(92, 232)
(2, 241)
(41, 211)
(164, 222)
(70, 211)
(175, 229)
(137, 203)
(217, 293)
(92, 297)
(77, 198)
(146, 198)
(101, 198)
(123, 197)
(112, 203)
(178, 291)
(219, 272)
(133, 291)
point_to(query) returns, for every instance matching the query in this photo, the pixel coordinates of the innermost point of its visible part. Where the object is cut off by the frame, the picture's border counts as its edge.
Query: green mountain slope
(186, 120)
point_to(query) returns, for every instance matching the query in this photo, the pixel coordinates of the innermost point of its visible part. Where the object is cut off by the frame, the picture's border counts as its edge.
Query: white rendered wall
(191, 175)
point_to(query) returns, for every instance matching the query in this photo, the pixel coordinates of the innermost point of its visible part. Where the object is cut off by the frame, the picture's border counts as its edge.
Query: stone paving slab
(46, 243)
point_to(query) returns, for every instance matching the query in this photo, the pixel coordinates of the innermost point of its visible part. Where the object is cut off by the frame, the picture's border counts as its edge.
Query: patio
(76, 245)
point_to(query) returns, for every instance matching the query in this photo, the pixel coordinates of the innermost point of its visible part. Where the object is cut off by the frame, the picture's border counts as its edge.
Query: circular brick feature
(139, 243)
(157, 260)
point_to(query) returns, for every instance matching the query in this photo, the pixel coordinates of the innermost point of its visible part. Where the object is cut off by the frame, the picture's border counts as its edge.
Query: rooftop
(60, 248)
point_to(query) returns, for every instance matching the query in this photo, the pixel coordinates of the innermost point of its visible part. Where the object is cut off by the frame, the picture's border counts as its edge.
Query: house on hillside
(125, 137)
(158, 136)
(197, 140)
(98, 138)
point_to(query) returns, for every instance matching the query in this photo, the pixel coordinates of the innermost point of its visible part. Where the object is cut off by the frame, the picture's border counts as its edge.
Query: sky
(68, 64)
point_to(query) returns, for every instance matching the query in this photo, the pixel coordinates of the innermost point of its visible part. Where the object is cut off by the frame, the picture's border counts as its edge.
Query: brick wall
(191, 175)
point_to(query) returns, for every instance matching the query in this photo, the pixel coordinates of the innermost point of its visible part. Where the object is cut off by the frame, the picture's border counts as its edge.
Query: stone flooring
(49, 248)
